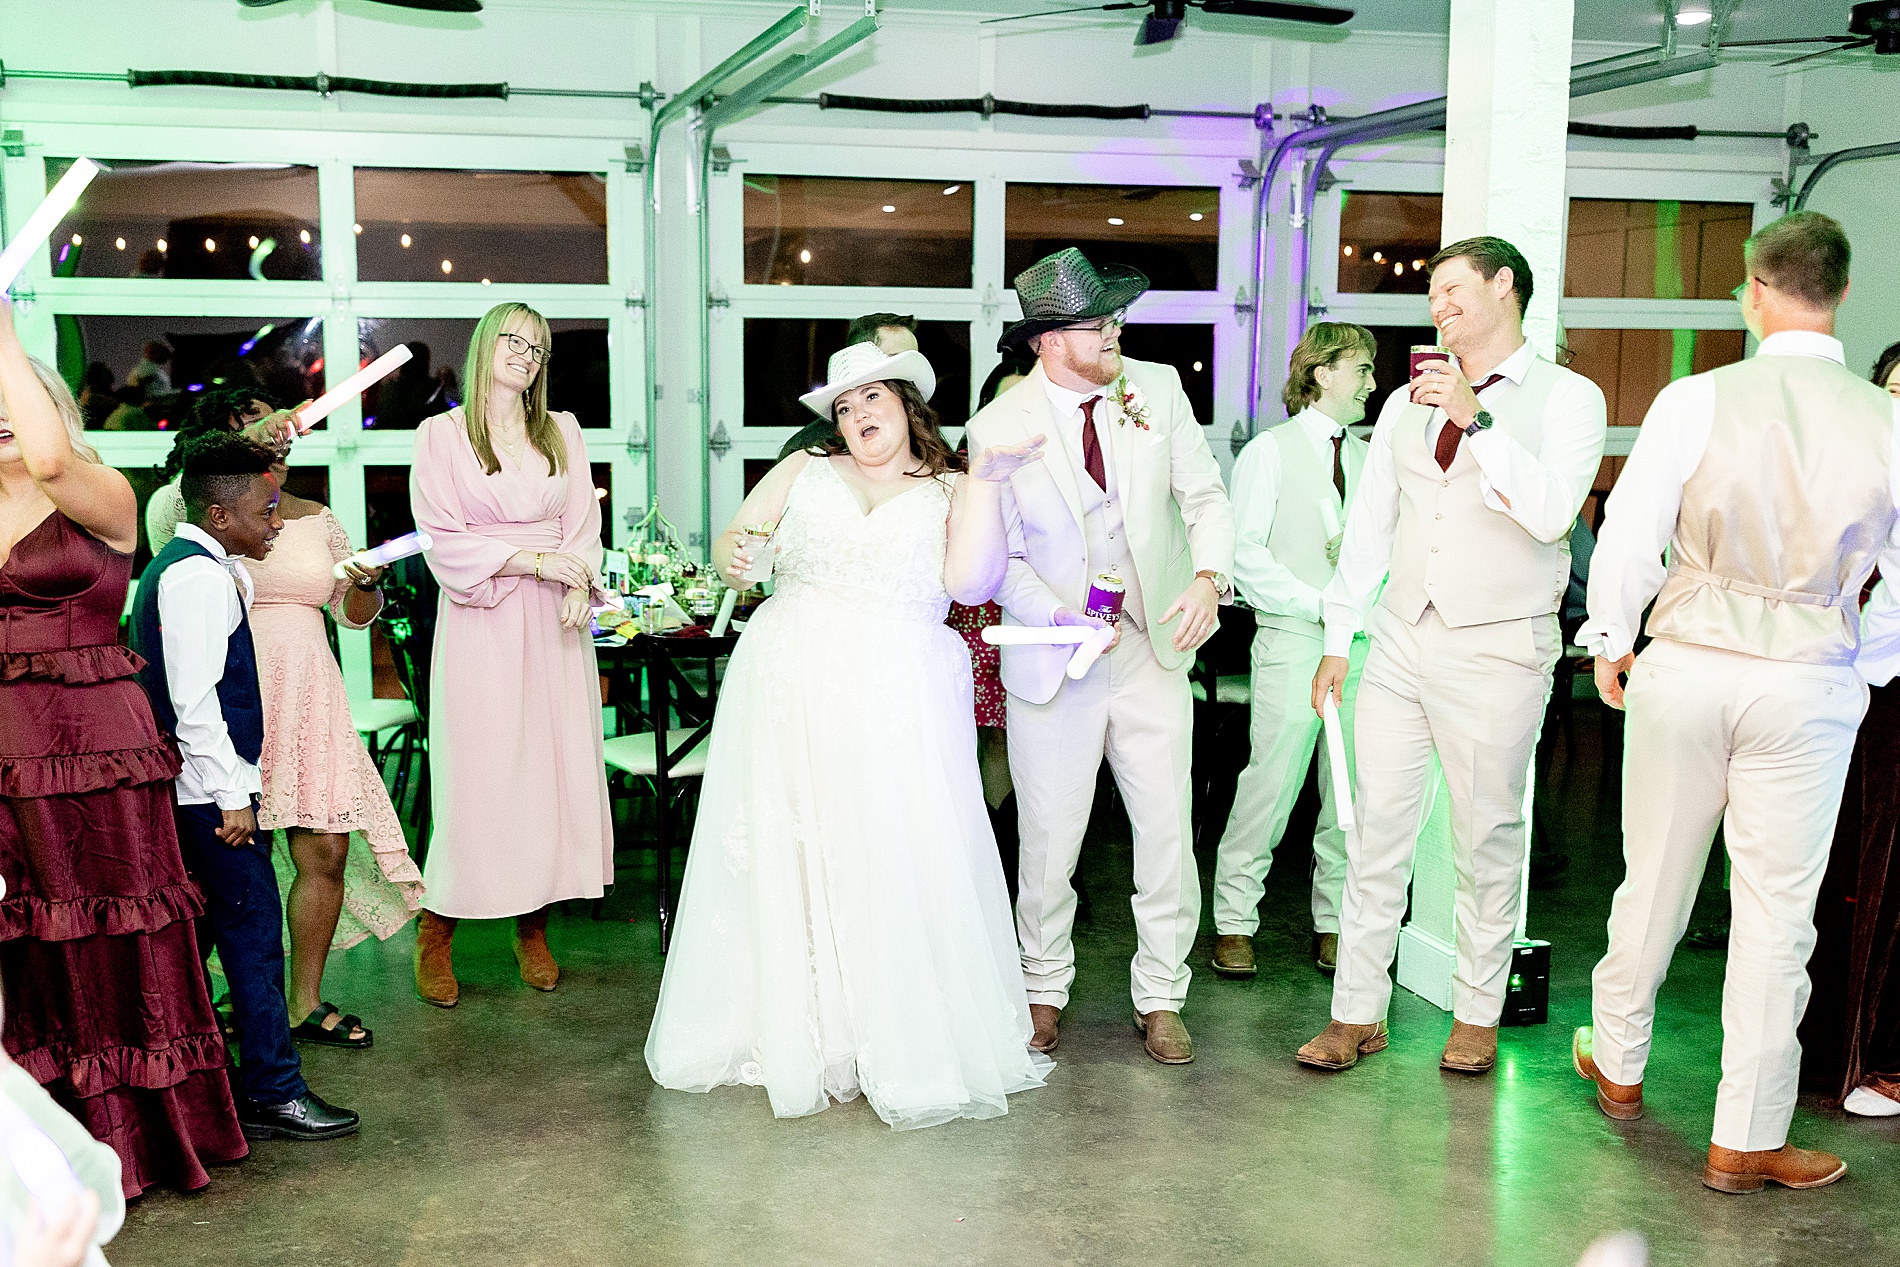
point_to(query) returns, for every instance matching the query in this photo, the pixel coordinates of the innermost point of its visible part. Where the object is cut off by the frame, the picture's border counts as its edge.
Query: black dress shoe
(309, 1117)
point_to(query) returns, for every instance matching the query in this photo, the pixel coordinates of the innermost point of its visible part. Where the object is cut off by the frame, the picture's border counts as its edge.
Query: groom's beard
(1102, 370)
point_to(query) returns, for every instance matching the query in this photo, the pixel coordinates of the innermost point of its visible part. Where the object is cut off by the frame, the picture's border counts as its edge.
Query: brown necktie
(1339, 464)
(1092, 445)
(1448, 438)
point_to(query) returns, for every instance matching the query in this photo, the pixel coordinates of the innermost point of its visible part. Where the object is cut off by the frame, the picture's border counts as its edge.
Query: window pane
(1631, 366)
(839, 231)
(425, 225)
(784, 358)
(1170, 233)
(432, 380)
(1384, 241)
(1655, 250)
(192, 220)
(143, 373)
(1189, 348)
(386, 500)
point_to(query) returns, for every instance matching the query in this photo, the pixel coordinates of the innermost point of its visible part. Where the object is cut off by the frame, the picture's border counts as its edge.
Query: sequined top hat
(1064, 289)
(863, 363)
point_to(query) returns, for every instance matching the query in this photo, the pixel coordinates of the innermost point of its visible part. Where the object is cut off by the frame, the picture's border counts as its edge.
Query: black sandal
(313, 1029)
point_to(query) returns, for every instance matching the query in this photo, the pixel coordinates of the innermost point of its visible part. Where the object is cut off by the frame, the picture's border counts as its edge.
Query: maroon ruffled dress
(105, 993)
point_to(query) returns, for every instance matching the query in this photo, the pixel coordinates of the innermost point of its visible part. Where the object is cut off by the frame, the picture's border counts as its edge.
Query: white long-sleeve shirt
(1543, 489)
(1268, 585)
(200, 604)
(1627, 570)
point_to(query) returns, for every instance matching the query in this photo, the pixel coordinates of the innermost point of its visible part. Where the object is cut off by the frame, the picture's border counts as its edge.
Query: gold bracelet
(537, 565)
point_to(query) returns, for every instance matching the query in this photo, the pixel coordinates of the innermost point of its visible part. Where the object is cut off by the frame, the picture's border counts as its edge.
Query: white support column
(1506, 119)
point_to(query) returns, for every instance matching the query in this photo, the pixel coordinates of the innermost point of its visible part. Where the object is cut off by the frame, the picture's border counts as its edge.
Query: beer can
(1105, 597)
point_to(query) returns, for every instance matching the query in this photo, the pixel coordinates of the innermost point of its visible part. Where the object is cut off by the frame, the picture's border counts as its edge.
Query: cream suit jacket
(1174, 509)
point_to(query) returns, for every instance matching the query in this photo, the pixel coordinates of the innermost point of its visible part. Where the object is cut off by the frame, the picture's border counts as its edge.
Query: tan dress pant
(1140, 716)
(1761, 747)
(1477, 696)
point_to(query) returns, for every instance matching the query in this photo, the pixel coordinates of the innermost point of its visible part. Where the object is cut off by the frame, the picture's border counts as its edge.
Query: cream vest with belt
(1451, 551)
(1308, 512)
(1785, 515)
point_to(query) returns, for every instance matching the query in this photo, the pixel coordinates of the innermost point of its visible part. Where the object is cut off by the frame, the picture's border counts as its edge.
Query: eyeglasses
(1736, 294)
(519, 345)
(1115, 322)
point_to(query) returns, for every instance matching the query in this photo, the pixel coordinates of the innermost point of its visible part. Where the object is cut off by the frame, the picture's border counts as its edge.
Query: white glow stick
(1336, 758)
(1038, 635)
(403, 547)
(355, 385)
(1086, 654)
(724, 618)
(45, 218)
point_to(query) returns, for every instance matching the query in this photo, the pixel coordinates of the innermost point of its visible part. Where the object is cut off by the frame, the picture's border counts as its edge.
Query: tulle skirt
(844, 926)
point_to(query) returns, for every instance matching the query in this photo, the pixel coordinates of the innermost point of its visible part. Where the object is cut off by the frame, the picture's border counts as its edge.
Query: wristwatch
(1482, 422)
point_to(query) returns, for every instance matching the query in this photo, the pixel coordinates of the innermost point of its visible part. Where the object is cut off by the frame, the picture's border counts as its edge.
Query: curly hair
(934, 456)
(1321, 346)
(216, 410)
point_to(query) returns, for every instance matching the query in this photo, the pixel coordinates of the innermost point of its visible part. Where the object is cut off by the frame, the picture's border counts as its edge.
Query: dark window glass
(1631, 366)
(1655, 250)
(1384, 241)
(786, 357)
(426, 225)
(603, 473)
(143, 373)
(217, 220)
(1189, 348)
(431, 382)
(386, 498)
(756, 469)
(845, 231)
(1171, 233)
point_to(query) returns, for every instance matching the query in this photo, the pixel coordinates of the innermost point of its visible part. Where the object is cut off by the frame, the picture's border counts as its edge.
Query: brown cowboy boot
(1622, 1101)
(1340, 1045)
(1233, 955)
(1165, 1036)
(1470, 1049)
(538, 968)
(435, 972)
(1731, 1170)
(1043, 1018)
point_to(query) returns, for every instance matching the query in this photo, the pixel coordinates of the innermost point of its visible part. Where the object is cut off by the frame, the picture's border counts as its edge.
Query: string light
(1348, 251)
(405, 241)
(888, 208)
(77, 240)
(951, 190)
(253, 241)
(1195, 215)
(1398, 269)
(448, 266)
(804, 257)
(357, 228)
(1197, 367)
(1378, 257)
(484, 281)
(163, 246)
(119, 243)
(304, 236)
(1115, 220)
(211, 244)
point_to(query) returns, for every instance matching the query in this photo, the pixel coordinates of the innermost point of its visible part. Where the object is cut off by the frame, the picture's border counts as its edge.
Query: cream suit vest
(1308, 512)
(1451, 551)
(1783, 518)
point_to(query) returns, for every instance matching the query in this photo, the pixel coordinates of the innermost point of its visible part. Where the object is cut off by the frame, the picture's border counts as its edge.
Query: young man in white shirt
(1476, 473)
(1775, 485)
(1291, 486)
(191, 623)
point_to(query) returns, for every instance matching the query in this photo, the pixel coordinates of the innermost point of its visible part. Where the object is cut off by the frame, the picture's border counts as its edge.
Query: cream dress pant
(1761, 747)
(1477, 696)
(1284, 731)
(1140, 716)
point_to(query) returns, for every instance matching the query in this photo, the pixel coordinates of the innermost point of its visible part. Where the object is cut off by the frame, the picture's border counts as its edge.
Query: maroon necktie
(1339, 464)
(1448, 438)
(1092, 445)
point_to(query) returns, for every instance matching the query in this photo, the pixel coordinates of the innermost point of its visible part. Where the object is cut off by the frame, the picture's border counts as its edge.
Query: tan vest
(1784, 516)
(1451, 551)
(1308, 512)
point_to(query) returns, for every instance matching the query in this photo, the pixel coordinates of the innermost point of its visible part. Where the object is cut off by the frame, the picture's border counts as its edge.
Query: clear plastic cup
(758, 543)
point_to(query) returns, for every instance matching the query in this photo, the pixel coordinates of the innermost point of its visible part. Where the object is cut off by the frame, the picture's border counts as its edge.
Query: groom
(1127, 486)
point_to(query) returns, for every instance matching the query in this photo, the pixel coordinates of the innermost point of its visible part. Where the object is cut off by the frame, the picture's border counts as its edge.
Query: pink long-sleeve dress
(520, 787)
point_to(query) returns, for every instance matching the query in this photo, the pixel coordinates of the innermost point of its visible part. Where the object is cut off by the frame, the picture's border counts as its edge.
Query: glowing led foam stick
(1086, 654)
(355, 385)
(724, 618)
(45, 218)
(1038, 635)
(1336, 758)
(410, 543)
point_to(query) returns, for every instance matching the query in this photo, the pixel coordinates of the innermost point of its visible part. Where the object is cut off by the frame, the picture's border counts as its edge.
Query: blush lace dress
(317, 774)
(844, 926)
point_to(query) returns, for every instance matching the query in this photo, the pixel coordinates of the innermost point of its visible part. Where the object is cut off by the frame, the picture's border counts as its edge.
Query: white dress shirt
(1627, 570)
(200, 604)
(1269, 587)
(1543, 489)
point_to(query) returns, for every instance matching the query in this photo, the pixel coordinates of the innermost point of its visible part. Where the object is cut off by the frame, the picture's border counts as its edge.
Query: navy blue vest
(237, 689)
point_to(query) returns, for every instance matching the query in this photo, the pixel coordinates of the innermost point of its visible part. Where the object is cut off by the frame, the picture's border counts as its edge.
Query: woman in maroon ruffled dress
(105, 992)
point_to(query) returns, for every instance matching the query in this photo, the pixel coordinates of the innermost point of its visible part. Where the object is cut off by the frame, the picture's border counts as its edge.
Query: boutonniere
(1134, 406)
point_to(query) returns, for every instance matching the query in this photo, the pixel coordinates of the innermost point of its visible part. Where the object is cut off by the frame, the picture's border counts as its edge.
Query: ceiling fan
(1163, 21)
(433, 6)
(1874, 24)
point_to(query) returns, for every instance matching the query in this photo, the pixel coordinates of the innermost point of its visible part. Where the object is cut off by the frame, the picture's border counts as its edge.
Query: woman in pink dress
(336, 829)
(520, 785)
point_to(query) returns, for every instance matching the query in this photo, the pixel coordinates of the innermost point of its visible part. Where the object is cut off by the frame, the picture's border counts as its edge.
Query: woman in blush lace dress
(844, 927)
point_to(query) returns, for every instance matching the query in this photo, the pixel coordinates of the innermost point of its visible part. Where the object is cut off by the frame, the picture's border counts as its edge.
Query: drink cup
(1423, 352)
(758, 543)
(1105, 598)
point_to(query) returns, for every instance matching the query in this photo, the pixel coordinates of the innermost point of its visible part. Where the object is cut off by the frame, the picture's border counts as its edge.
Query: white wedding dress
(844, 926)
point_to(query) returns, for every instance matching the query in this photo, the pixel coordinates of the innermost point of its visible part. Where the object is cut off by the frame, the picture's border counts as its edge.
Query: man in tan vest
(1476, 473)
(1773, 483)
(1292, 484)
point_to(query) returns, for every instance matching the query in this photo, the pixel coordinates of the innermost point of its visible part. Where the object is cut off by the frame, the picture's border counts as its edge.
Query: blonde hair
(479, 372)
(67, 408)
(1321, 346)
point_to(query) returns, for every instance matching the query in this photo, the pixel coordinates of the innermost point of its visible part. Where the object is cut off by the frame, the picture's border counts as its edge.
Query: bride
(844, 926)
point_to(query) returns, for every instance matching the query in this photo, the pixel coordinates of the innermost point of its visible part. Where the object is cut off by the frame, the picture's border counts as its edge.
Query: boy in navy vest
(191, 625)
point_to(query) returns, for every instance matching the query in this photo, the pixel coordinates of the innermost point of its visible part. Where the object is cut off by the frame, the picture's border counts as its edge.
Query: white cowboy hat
(863, 363)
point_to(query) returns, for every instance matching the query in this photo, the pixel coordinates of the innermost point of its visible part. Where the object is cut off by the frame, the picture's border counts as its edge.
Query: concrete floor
(522, 1128)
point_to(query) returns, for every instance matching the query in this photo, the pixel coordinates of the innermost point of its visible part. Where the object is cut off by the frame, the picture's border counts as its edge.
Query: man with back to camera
(1774, 483)
(1476, 472)
(1292, 484)
(893, 333)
